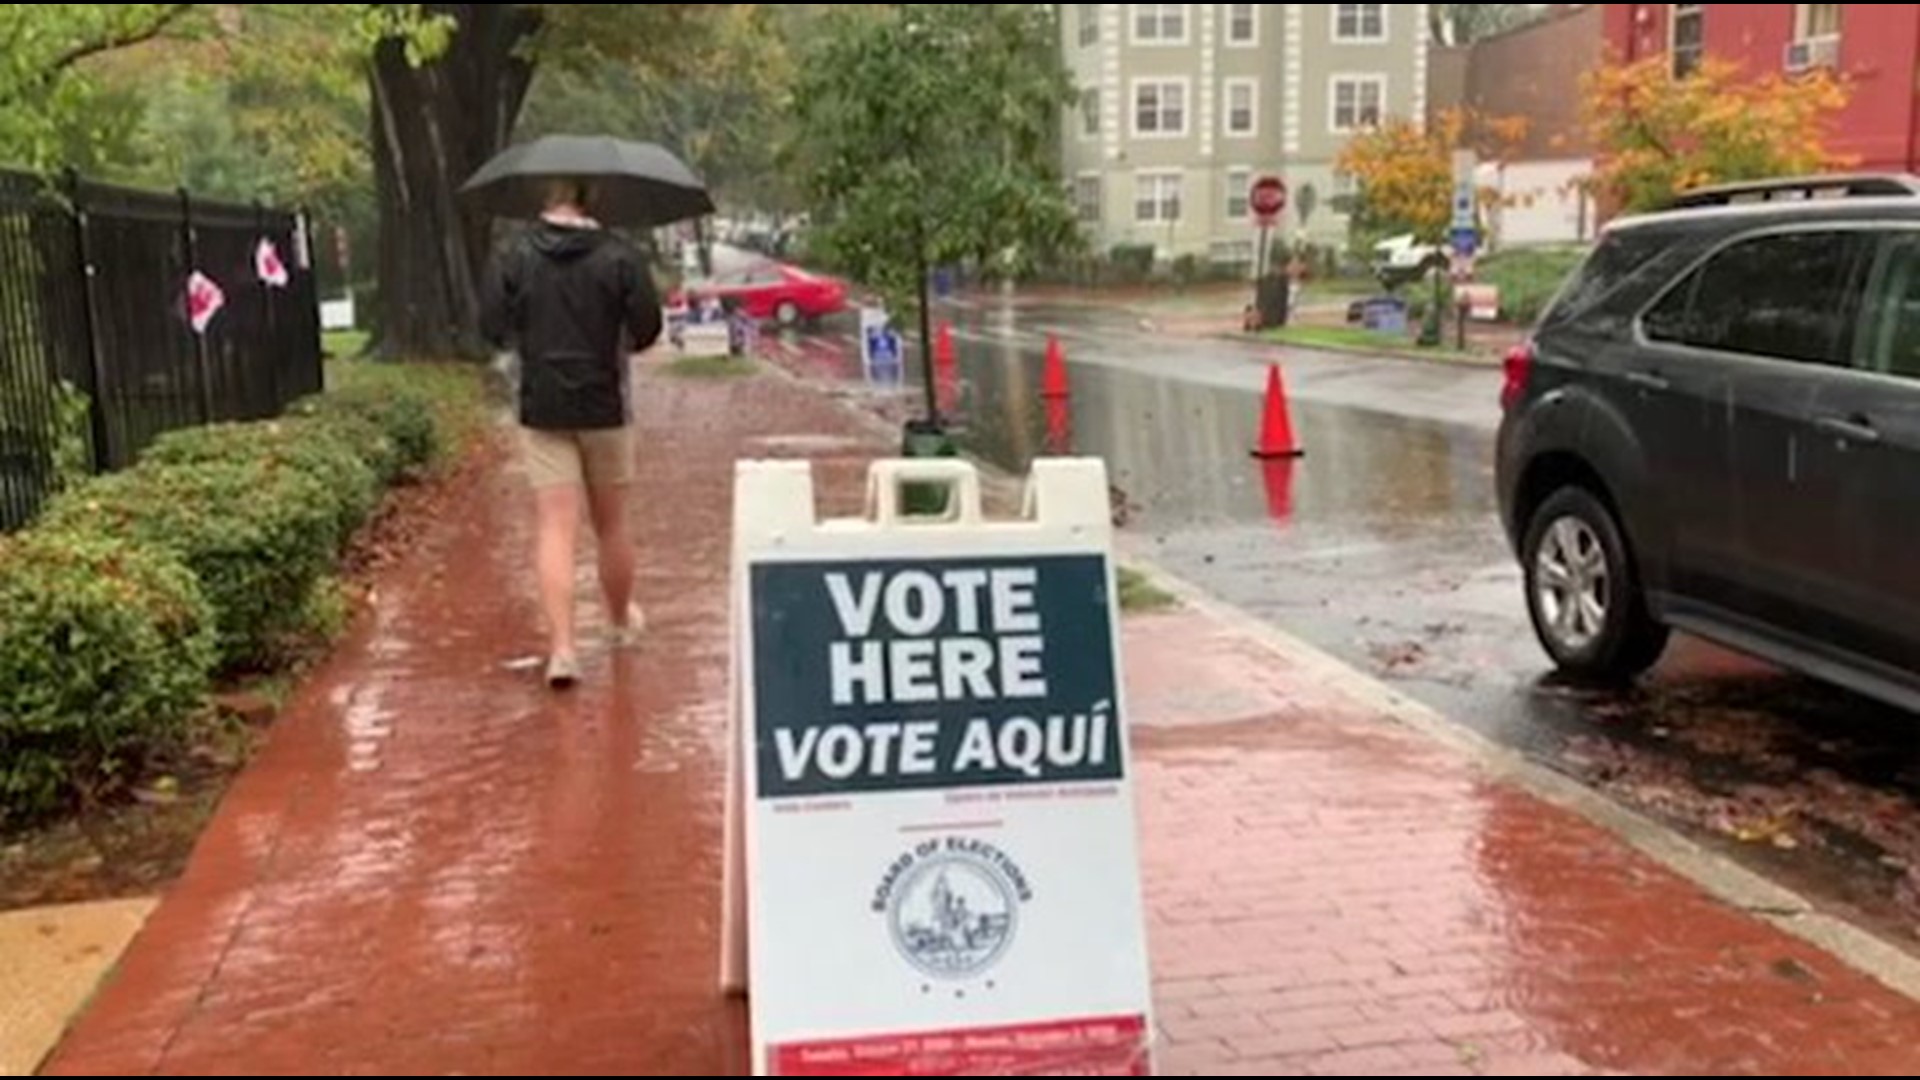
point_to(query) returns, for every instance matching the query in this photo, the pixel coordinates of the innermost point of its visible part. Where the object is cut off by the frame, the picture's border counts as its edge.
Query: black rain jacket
(574, 302)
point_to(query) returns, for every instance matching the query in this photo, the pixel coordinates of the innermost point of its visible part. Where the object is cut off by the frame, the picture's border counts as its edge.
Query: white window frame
(1186, 107)
(1699, 11)
(1252, 87)
(1386, 25)
(1093, 122)
(1159, 199)
(1334, 83)
(1242, 192)
(1253, 14)
(1803, 23)
(1136, 12)
(1099, 204)
(1089, 28)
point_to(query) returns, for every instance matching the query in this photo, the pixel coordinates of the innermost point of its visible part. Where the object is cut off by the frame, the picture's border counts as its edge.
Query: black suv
(1716, 428)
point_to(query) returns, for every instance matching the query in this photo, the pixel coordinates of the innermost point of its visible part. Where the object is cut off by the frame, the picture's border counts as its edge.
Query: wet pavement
(1365, 904)
(1383, 547)
(435, 867)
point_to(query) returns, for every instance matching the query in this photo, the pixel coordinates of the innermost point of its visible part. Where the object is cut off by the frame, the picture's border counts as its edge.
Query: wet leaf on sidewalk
(1399, 656)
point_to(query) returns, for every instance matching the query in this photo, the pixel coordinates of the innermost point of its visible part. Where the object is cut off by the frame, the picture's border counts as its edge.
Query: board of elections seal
(953, 910)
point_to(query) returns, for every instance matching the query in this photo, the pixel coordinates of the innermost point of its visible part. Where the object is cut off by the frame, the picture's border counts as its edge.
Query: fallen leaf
(1794, 971)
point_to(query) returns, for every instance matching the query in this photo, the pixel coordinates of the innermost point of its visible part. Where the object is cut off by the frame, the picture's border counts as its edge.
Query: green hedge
(105, 650)
(258, 535)
(1529, 279)
(327, 452)
(405, 419)
(214, 554)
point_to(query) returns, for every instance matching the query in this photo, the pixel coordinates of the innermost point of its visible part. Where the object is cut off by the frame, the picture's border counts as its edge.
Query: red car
(771, 291)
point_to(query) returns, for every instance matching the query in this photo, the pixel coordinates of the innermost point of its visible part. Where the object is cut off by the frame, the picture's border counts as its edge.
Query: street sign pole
(1267, 200)
(927, 437)
(926, 343)
(1466, 231)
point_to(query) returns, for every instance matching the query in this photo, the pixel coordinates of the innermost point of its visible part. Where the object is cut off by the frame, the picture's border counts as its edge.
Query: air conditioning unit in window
(1805, 56)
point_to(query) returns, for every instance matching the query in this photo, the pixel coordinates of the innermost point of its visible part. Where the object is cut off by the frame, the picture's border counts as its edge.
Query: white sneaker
(563, 673)
(634, 632)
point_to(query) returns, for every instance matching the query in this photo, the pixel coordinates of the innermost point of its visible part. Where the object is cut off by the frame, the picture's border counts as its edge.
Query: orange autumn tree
(1659, 135)
(1404, 170)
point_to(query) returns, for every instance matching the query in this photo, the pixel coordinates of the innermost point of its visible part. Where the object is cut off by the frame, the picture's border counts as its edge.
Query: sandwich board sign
(933, 863)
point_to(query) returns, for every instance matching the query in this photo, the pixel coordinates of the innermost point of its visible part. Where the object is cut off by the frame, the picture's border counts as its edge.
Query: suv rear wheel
(1583, 592)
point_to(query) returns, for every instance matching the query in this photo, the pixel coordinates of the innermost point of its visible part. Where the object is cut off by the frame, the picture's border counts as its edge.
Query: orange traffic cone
(946, 369)
(946, 360)
(1277, 478)
(1053, 383)
(1276, 431)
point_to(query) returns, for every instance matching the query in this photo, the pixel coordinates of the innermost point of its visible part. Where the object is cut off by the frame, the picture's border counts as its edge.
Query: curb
(1717, 875)
(1408, 355)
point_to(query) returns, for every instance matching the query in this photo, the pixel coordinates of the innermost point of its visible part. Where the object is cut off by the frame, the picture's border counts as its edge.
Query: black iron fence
(125, 314)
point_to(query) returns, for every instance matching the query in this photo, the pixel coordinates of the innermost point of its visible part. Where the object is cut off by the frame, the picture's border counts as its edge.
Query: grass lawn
(1140, 596)
(1340, 337)
(345, 344)
(1353, 338)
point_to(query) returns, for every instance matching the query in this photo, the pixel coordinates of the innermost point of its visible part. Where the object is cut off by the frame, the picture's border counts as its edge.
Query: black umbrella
(635, 184)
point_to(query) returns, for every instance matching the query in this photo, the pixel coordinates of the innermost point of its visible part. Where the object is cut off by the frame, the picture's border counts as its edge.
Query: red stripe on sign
(1073, 1048)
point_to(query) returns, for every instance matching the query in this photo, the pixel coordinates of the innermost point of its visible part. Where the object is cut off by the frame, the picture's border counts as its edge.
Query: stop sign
(1268, 199)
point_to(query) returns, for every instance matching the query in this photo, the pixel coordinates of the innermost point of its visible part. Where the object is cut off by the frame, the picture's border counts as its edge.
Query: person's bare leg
(613, 530)
(559, 514)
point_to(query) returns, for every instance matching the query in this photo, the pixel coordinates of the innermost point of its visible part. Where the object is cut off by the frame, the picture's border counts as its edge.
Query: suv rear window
(1790, 296)
(1618, 258)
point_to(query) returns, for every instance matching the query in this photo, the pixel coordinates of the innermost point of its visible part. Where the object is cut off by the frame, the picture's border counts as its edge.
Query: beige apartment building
(1183, 105)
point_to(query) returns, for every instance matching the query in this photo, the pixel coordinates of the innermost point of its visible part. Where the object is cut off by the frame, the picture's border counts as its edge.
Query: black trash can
(926, 439)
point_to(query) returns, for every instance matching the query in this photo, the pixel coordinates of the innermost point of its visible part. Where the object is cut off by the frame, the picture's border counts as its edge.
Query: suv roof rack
(1801, 188)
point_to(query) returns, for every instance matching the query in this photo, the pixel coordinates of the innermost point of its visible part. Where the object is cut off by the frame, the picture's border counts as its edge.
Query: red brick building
(1876, 45)
(1531, 73)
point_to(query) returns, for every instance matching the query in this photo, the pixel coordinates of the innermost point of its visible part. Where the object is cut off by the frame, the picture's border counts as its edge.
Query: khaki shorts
(578, 458)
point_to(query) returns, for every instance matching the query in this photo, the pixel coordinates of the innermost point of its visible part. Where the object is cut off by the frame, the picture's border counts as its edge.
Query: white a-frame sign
(932, 856)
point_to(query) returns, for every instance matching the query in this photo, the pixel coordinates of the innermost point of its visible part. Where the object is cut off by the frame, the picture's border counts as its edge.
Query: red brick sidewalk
(437, 868)
(1364, 904)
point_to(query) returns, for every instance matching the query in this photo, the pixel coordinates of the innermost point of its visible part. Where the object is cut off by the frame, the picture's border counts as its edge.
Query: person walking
(575, 301)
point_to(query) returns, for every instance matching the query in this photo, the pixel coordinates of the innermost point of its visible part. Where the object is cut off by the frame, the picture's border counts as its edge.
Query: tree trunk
(433, 127)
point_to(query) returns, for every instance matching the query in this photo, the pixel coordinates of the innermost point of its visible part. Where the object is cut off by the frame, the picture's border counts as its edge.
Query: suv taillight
(1519, 368)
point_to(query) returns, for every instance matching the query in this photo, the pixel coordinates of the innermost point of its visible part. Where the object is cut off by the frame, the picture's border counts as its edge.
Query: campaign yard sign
(941, 863)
